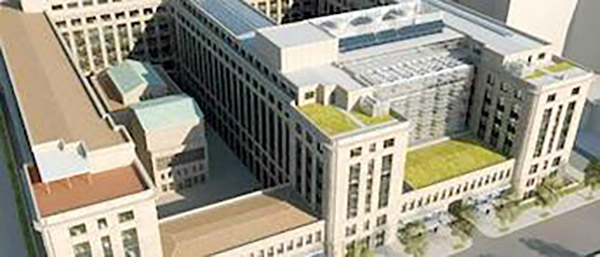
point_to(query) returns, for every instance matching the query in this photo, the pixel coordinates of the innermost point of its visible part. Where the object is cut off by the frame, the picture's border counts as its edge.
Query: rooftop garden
(557, 67)
(330, 119)
(536, 74)
(446, 160)
(370, 120)
(560, 66)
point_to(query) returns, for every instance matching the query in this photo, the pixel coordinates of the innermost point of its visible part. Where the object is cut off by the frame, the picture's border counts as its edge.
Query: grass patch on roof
(331, 120)
(446, 160)
(560, 66)
(536, 74)
(370, 120)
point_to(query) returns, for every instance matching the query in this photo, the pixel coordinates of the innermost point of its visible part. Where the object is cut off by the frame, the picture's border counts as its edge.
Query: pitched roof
(168, 111)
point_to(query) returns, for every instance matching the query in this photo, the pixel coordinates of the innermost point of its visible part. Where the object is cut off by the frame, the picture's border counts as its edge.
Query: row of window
(283, 247)
(356, 152)
(456, 190)
(352, 229)
(184, 183)
(101, 223)
(129, 239)
(181, 158)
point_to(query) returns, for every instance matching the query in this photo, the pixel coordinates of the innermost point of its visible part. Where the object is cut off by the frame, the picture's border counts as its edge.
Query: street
(12, 243)
(572, 234)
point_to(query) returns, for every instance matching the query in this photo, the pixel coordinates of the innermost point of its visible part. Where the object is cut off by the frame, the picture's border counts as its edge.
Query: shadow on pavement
(548, 249)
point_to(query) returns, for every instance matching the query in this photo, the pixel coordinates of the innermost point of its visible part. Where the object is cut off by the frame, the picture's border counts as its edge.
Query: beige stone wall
(338, 181)
(59, 242)
(302, 241)
(438, 197)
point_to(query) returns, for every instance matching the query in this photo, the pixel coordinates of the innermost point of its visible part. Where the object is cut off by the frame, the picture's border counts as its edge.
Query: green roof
(560, 66)
(329, 119)
(371, 120)
(130, 74)
(168, 111)
(446, 160)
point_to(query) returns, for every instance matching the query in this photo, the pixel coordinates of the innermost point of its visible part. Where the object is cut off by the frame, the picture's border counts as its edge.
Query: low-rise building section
(166, 125)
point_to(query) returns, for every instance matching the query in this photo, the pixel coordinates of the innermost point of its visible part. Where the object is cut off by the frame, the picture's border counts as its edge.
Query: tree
(462, 228)
(414, 238)
(592, 175)
(360, 249)
(509, 210)
(548, 193)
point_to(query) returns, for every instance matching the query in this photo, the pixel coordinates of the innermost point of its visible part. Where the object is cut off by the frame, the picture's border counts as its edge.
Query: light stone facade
(255, 81)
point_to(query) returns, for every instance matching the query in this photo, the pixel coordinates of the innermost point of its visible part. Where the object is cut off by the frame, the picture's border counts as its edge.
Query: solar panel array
(390, 35)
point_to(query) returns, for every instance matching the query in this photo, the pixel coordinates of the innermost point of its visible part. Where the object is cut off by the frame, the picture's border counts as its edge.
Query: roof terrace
(446, 160)
(333, 120)
(555, 71)
(84, 190)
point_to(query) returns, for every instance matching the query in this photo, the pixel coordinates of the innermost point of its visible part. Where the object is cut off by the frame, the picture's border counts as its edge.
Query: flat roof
(497, 37)
(446, 160)
(555, 71)
(295, 34)
(85, 190)
(52, 98)
(235, 15)
(234, 224)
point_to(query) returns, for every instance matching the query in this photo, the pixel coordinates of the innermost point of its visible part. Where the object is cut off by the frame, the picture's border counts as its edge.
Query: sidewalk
(440, 244)
(491, 226)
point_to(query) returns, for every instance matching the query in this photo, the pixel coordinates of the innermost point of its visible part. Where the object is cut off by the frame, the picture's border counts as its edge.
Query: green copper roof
(168, 111)
(130, 74)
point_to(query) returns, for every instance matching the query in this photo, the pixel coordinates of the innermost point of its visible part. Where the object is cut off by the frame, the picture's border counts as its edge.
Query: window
(373, 147)
(130, 242)
(556, 161)
(386, 163)
(309, 95)
(388, 143)
(542, 56)
(533, 169)
(575, 91)
(356, 152)
(381, 220)
(102, 223)
(126, 216)
(551, 98)
(82, 250)
(77, 230)
(106, 246)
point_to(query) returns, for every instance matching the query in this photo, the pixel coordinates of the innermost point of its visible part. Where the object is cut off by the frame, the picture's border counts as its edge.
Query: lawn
(447, 160)
(560, 66)
(330, 119)
(536, 74)
(368, 120)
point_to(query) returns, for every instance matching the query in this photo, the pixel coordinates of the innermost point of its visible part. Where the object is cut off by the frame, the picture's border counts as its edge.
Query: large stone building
(361, 120)
(166, 125)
